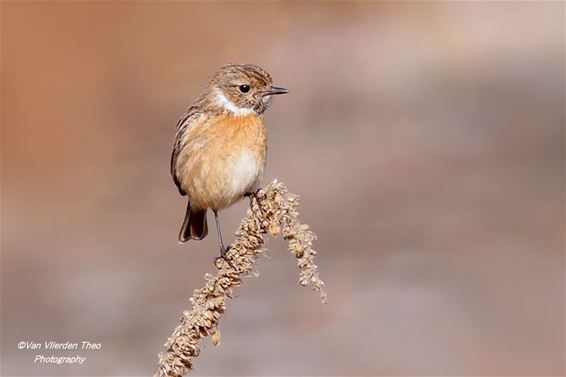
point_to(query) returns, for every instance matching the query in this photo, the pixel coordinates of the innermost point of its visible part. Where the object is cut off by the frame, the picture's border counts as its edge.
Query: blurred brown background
(425, 139)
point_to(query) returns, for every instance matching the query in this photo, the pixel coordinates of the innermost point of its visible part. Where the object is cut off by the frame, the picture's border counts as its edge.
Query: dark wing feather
(187, 120)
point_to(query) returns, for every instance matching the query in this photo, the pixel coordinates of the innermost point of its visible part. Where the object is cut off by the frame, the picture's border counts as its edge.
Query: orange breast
(221, 159)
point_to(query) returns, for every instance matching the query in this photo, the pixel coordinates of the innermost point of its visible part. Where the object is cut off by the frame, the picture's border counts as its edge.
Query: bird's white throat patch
(221, 100)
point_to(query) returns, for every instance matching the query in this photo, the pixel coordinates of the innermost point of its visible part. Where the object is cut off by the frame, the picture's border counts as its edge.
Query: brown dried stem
(274, 210)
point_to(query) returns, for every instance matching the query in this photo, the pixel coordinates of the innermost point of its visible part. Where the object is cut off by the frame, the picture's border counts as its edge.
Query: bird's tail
(194, 226)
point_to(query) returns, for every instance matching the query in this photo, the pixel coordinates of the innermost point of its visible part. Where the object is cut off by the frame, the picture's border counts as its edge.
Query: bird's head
(242, 89)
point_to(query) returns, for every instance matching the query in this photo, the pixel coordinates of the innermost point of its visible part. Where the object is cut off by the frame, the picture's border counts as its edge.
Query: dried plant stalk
(274, 210)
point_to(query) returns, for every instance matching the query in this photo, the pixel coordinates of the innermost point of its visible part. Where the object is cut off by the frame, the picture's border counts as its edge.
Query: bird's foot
(224, 256)
(255, 196)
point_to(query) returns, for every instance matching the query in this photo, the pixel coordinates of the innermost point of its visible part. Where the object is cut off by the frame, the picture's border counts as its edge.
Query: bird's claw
(256, 195)
(224, 256)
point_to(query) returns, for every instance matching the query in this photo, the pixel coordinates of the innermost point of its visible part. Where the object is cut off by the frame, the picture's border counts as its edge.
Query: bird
(220, 147)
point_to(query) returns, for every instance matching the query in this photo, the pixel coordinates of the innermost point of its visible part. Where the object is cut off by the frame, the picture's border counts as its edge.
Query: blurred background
(426, 141)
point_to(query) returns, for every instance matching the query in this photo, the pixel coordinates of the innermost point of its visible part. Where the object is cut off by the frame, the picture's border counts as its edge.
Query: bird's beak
(275, 90)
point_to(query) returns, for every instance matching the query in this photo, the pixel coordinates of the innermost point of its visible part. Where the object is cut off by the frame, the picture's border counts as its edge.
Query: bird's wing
(187, 120)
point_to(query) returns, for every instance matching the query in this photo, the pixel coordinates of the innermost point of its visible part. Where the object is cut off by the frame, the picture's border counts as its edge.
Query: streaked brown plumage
(220, 146)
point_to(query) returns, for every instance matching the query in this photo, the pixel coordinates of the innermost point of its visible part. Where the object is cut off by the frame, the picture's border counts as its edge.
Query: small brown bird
(220, 146)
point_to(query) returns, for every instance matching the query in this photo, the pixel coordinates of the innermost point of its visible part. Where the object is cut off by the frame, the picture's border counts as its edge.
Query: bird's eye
(244, 88)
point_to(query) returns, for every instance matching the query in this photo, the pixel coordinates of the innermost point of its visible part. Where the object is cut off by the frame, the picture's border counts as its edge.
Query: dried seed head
(275, 230)
(274, 211)
(216, 338)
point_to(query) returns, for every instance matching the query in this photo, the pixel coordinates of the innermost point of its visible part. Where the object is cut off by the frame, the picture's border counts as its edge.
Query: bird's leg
(223, 249)
(250, 195)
